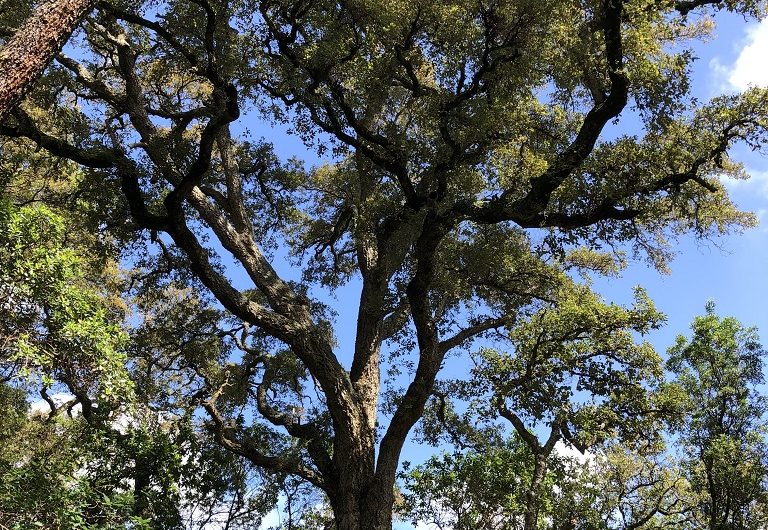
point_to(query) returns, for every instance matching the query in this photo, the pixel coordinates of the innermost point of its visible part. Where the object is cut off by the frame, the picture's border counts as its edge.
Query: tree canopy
(471, 169)
(706, 469)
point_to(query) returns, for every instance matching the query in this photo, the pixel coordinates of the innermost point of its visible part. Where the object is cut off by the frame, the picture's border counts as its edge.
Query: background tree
(639, 488)
(484, 490)
(466, 168)
(576, 373)
(720, 369)
(91, 454)
(574, 376)
(711, 474)
(613, 488)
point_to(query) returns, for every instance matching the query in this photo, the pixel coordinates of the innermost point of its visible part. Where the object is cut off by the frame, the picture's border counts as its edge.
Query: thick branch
(24, 58)
(529, 210)
(97, 158)
(431, 356)
(471, 332)
(528, 437)
(154, 26)
(293, 425)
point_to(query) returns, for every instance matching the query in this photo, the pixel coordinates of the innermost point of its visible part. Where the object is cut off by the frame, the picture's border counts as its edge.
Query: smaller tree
(723, 433)
(97, 455)
(615, 488)
(471, 490)
(640, 488)
(575, 375)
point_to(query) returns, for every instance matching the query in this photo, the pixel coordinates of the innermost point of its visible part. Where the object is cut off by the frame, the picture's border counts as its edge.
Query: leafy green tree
(614, 488)
(101, 458)
(55, 325)
(468, 169)
(574, 376)
(483, 490)
(720, 369)
(641, 488)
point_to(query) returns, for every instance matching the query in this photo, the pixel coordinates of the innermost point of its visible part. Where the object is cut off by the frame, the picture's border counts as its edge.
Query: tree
(25, 56)
(719, 369)
(467, 172)
(639, 489)
(55, 325)
(573, 376)
(95, 455)
(578, 346)
(614, 488)
(483, 490)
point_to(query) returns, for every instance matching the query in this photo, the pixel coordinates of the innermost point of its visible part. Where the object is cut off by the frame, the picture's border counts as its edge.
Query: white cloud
(757, 183)
(750, 66)
(569, 451)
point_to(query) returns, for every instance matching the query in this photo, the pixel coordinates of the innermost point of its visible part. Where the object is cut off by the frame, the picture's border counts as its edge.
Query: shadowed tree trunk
(24, 58)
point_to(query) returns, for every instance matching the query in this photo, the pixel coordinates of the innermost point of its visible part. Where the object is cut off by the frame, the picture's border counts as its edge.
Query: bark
(24, 58)
(532, 495)
(360, 504)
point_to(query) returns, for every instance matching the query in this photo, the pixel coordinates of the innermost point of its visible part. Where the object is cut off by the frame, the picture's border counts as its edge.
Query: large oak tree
(472, 163)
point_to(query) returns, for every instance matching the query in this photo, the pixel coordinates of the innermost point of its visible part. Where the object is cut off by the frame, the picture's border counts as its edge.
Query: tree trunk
(24, 58)
(370, 509)
(532, 495)
(361, 499)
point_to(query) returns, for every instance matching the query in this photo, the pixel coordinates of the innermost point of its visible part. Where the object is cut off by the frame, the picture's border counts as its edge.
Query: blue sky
(732, 270)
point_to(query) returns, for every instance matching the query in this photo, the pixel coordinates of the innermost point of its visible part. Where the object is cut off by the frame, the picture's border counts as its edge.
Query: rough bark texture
(24, 58)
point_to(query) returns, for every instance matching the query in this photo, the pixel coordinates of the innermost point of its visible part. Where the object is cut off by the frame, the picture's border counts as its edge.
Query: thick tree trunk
(361, 499)
(370, 509)
(24, 58)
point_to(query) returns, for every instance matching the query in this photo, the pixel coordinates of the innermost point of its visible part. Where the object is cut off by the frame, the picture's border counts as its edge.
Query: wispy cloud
(756, 184)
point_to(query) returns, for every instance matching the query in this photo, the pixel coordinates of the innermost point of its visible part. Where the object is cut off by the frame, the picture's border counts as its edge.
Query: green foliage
(44, 484)
(117, 463)
(57, 324)
(67, 474)
(641, 488)
(612, 489)
(13, 404)
(576, 364)
(720, 369)
(468, 180)
(469, 490)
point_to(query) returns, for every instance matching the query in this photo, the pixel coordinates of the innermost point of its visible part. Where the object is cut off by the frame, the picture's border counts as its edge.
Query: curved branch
(225, 435)
(471, 332)
(529, 210)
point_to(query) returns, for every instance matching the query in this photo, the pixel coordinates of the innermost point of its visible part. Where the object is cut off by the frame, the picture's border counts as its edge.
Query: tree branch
(471, 332)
